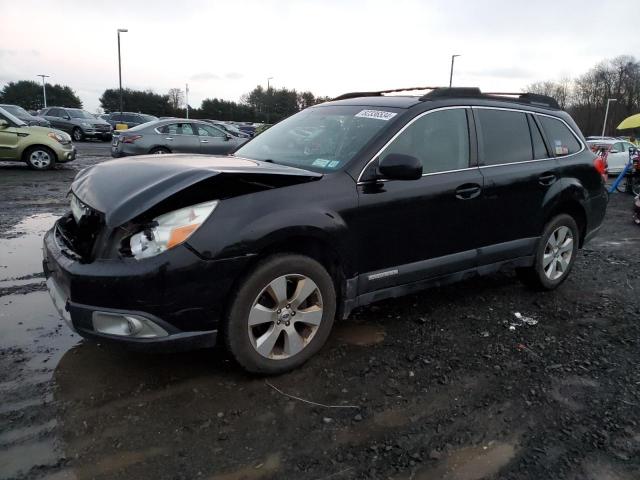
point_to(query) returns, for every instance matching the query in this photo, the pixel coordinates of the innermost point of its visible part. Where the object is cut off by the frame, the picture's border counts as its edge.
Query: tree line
(585, 97)
(259, 105)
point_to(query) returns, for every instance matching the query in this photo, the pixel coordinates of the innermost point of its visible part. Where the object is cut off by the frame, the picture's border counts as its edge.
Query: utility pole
(606, 114)
(44, 88)
(186, 90)
(120, 30)
(453, 58)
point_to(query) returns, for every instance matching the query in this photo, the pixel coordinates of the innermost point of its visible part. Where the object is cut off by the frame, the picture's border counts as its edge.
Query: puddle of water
(472, 463)
(260, 470)
(22, 255)
(360, 334)
(24, 433)
(29, 321)
(20, 458)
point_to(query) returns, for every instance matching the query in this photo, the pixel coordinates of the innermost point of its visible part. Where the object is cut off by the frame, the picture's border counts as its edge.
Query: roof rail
(531, 98)
(379, 93)
(444, 92)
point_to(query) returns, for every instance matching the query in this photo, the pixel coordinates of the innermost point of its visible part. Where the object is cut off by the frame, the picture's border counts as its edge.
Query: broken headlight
(170, 229)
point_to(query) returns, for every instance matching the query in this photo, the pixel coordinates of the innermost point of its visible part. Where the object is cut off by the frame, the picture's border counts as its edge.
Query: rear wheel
(40, 158)
(635, 184)
(159, 151)
(555, 255)
(281, 315)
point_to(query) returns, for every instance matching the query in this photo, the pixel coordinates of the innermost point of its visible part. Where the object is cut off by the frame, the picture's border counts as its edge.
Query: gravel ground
(430, 386)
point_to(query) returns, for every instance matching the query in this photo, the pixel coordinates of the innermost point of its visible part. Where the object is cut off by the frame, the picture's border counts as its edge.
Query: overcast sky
(224, 48)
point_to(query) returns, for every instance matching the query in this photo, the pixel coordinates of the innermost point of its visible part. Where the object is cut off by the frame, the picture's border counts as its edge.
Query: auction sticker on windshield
(377, 114)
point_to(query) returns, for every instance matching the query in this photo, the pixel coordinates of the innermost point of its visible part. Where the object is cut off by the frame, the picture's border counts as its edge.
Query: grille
(80, 238)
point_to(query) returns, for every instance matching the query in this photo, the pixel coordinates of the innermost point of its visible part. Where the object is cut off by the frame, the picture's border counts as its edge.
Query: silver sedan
(175, 135)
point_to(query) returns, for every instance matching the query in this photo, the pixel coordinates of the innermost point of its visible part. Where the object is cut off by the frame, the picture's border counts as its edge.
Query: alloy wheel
(77, 135)
(558, 253)
(40, 159)
(285, 316)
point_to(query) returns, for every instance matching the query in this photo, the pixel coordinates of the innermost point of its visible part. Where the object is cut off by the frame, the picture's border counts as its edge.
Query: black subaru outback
(363, 198)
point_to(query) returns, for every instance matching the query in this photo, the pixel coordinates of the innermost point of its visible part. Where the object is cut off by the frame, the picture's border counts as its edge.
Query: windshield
(12, 118)
(77, 113)
(319, 138)
(16, 110)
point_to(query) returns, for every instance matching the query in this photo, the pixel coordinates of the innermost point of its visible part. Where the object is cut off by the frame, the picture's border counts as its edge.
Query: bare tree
(176, 98)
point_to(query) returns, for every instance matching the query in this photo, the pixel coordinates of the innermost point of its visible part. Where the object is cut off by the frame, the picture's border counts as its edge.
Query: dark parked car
(25, 116)
(343, 204)
(230, 129)
(128, 119)
(174, 136)
(77, 122)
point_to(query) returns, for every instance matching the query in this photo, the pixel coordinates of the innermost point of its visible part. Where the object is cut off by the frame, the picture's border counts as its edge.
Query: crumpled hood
(123, 189)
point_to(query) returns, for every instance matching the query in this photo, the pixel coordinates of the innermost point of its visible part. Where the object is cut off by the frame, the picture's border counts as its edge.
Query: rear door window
(440, 140)
(503, 136)
(563, 141)
(177, 129)
(53, 112)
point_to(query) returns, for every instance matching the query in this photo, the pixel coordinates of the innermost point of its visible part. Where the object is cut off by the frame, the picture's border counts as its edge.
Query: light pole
(120, 30)
(44, 88)
(606, 114)
(268, 90)
(453, 58)
(186, 94)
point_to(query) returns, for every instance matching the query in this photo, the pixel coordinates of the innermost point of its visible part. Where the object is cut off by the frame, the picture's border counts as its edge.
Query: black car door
(518, 173)
(409, 230)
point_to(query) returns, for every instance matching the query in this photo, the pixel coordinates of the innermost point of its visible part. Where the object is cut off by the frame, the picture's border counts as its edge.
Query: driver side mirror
(67, 117)
(227, 137)
(397, 166)
(4, 124)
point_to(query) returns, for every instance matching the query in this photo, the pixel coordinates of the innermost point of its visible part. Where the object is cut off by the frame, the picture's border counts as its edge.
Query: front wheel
(555, 255)
(40, 158)
(281, 315)
(77, 134)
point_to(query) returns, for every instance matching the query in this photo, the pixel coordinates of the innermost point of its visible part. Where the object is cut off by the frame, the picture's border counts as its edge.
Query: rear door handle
(546, 179)
(468, 191)
(204, 141)
(168, 138)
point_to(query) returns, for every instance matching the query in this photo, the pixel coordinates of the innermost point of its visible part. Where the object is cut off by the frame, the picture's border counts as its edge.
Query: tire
(77, 134)
(545, 275)
(159, 151)
(40, 158)
(635, 184)
(280, 339)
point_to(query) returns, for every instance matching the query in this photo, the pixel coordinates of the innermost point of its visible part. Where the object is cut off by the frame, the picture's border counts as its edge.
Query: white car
(618, 153)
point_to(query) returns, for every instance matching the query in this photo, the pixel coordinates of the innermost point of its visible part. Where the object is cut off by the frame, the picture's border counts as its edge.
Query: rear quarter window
(563, 141)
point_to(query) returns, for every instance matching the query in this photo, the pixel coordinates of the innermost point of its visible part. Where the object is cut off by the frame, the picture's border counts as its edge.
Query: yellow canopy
(630, 122)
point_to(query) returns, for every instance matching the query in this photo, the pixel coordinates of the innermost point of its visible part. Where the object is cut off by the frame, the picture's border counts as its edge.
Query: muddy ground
(431, 386)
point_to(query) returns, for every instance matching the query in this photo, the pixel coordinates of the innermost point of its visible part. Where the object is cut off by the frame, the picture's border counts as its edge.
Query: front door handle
(468, 191)
(168, 138)
(204, 141)
(546, 179)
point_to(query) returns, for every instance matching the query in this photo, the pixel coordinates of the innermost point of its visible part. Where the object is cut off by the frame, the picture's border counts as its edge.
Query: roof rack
(380, 93)
(436, 93)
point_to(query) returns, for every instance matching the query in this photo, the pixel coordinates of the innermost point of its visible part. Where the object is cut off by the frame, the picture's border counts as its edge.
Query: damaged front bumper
(170, 302)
